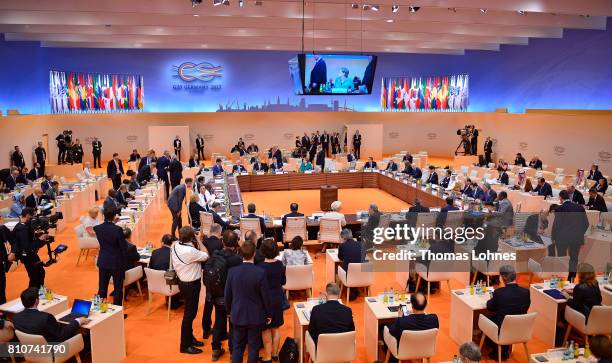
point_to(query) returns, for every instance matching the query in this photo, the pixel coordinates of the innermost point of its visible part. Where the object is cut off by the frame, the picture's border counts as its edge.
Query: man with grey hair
(469, 353)
(367, 234)
(335, 213)
(490, 195)
(508, 300)
(332, 316)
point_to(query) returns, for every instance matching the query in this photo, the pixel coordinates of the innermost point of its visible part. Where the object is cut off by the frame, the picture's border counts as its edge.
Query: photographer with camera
(26, 243)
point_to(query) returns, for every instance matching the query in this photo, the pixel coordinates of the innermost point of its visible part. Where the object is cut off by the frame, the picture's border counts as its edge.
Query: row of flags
(72, 92)
(440, 93)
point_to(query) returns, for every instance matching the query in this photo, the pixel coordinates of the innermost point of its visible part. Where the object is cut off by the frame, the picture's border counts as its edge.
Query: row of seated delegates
(20, 201)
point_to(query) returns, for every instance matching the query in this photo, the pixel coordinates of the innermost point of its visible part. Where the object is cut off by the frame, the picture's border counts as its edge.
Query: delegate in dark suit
(320, 162)
(160, 259)
(260, 167)
(597, 202)
(330, 318)
(162, 172)
(41, 157)
(433, 178)
(111, 259)
(32, 321)
(318, 75)
(114, 171)
(350, 251)
(176, 172)
(568, 232)
(413, 322)
(144, 174)
(292, 214)
(10, 182)
(577, 197)
(544, 190)
(508, 300)
(248, 305)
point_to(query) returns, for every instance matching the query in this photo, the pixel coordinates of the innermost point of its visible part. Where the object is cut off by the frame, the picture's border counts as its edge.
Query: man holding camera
(26, 245)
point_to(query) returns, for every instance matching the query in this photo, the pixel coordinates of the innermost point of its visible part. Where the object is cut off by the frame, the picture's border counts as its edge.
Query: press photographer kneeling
(30, 235)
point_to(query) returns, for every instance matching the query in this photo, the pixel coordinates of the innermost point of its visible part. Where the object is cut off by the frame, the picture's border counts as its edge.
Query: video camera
(41, 225)
(467, 130)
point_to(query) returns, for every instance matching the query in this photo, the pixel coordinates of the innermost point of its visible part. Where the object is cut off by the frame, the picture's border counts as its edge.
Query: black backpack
(289, 352)
(214, 275)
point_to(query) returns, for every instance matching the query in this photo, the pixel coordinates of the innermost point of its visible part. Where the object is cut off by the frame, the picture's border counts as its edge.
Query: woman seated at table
(87, 174)
(194, 210)
(90, 221)
(305, 165)
(17, 206)
(295, 255)
(585, 293)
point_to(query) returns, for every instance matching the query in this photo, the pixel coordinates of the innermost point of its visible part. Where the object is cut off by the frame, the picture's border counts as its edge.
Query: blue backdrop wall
(569, 73)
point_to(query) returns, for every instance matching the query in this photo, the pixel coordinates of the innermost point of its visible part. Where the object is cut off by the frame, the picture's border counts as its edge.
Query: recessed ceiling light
(268, 47)
(375, 7)
(204, 45)
(484, 11)
(522, 12)
(414, 9)
(328, 48)
(387, 50)
(394, 8)
(138, 45)
(389, 20)
(355, 6)
(196, 15)
(241, 3)
(160, 29)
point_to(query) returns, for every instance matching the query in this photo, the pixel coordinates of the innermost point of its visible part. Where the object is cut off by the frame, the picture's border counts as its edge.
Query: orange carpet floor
(151, 338)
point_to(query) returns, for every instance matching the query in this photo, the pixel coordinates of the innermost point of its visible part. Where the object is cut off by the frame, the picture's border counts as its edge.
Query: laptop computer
(80, 309)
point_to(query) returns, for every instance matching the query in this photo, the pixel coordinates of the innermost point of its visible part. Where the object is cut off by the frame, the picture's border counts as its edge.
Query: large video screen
(74, 92)
(430, 94)
(335, 74)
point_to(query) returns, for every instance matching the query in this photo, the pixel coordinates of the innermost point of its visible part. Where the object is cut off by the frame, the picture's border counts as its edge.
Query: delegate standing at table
(41, 156)
(175, 204)
(5, 263)
(178, 145)
(585, 294)
(162, 171)
(114, 170)
(568, 230)
(112, 256)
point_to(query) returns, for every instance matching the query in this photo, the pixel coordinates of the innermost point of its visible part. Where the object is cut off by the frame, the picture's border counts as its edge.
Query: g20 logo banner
(194, 74)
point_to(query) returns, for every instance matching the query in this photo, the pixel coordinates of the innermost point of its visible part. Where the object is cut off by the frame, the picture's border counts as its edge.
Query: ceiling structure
(417, 26)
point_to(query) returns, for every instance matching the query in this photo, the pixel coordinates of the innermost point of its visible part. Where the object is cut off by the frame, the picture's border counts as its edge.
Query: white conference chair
(358, 275)
(487, 268)
(156, 284)
(413, 344)
(547, 267)
(73, 345)
(299, 277)
(206, 221)
(598, 321)
(437, 272)
(86, 243)
(329, 230)
(133, 275)
(515, 329)
(249, 224)
(326, 350)
(295, 226)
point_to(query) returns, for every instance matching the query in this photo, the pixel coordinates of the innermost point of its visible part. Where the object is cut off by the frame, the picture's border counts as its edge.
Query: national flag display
(427, 94)
(73, 92)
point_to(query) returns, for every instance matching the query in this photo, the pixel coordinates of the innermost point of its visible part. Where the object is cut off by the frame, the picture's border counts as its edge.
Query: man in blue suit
(350, 250)
(433, 176)
(11, 181)
(217, 169)
(450, 205)
(176, 171)
(477, 192)
(248, 305)
(162, 171)
(318, 74)
(113, 251)
(147, 160)
(489, 194)
(568, 230)
(543, 188)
